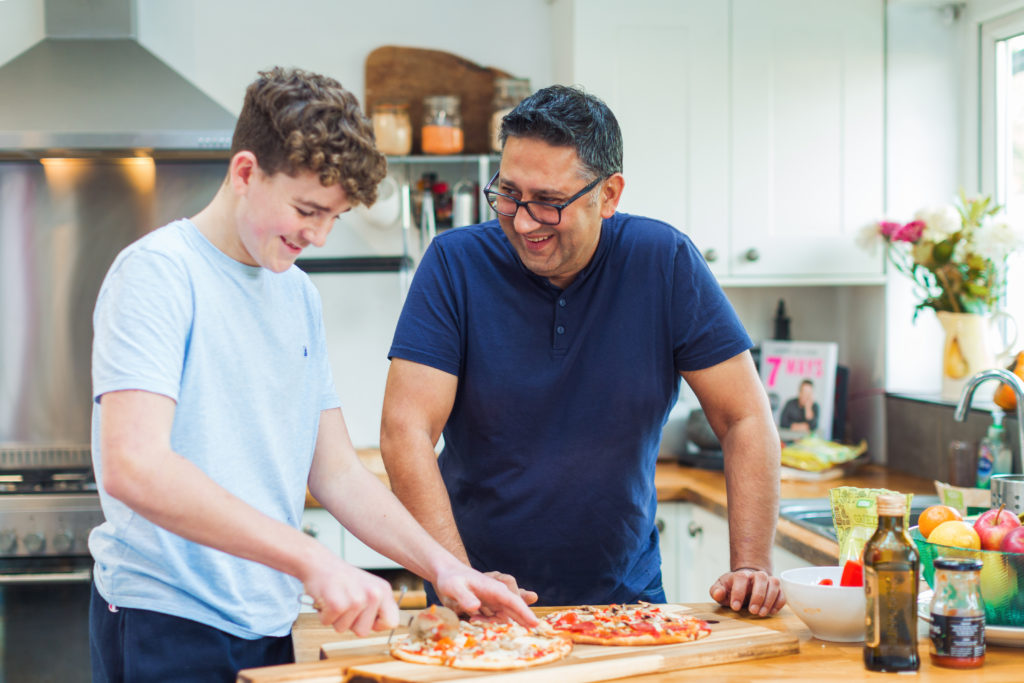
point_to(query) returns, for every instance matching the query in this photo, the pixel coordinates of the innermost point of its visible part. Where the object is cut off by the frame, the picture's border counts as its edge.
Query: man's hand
(757, 590)
(496, 595)
(349, 598)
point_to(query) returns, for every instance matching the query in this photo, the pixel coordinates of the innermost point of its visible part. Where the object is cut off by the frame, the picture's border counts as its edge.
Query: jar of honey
(442, 125)
(392, 128)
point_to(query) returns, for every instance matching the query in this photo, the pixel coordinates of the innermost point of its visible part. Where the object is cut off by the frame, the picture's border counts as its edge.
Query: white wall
(221, 45)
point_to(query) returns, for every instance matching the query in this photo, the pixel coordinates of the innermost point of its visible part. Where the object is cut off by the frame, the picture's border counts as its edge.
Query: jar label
(957, 636)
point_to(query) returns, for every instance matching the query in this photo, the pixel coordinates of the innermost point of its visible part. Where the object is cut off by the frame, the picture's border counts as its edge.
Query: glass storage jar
(392, 128)
(442, 125)
(508, 92)
(957, 610)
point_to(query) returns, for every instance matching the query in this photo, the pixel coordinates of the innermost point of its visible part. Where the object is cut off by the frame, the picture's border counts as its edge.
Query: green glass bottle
(890, 589)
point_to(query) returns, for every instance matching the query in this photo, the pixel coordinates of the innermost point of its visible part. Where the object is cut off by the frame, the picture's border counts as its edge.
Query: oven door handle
(77, 576)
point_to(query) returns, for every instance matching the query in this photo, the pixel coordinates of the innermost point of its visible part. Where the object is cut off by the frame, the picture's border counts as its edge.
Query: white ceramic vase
(973, 343)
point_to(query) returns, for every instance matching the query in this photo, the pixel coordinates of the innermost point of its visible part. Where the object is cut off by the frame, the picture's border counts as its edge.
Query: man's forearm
(416, 482)
(752, 486)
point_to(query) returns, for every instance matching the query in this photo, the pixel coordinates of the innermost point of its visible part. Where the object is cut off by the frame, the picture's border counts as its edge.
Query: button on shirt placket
(560, 334)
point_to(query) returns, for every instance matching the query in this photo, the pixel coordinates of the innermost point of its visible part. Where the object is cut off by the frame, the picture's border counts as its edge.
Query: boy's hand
(349, 598)
(495, 595)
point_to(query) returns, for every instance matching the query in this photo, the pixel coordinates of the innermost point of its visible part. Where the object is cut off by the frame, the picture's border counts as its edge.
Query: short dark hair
(569, 117)
(295, 120)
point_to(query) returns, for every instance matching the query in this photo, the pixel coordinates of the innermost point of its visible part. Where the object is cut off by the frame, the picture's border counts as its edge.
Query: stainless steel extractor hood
(90, 86)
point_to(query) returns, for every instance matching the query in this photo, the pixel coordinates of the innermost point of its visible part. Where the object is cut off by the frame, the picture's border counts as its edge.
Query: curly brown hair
(295, 120)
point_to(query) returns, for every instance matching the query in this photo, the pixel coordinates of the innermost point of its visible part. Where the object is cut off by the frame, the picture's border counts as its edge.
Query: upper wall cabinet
(755, 126)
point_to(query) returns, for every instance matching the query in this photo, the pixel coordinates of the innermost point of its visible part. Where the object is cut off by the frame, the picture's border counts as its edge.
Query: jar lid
(390, 105)
(958, 564)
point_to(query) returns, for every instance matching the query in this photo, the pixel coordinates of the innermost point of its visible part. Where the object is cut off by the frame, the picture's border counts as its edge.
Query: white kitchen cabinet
(695, 551)
(762, 137)
(321, 525)
(807, 144)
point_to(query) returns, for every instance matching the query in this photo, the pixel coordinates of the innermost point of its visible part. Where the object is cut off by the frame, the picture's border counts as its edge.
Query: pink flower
(887, 228)
(911, 232)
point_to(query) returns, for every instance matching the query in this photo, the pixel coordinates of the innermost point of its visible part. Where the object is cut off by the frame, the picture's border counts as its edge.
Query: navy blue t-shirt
(550, 448)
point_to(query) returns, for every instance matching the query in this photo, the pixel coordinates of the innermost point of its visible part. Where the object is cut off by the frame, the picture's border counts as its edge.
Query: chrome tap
(1014, 383)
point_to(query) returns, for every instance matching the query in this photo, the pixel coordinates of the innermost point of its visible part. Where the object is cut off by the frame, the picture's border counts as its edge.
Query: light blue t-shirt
(241, 351)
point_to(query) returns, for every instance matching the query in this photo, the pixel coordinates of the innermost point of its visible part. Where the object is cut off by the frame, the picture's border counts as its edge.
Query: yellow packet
(855, 518)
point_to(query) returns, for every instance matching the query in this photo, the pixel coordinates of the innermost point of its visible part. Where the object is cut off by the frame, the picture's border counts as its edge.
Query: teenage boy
(215, 409)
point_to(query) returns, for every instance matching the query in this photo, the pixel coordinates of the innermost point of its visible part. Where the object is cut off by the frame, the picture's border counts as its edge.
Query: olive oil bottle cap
(891, 505)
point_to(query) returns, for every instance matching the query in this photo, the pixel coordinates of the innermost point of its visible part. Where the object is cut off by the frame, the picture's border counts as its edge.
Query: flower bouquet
(955, 254)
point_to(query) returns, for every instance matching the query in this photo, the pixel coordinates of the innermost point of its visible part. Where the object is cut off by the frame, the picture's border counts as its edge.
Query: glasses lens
(501, 204)
(543, 213)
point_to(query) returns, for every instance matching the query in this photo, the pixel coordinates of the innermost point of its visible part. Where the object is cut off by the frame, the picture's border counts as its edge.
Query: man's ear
(611, 193)
(242, 171)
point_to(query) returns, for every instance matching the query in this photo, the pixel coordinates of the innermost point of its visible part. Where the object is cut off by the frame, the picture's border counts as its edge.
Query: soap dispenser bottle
(994, 455)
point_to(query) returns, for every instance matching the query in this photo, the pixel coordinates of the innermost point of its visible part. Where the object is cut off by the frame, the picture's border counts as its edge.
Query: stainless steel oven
(48, 506)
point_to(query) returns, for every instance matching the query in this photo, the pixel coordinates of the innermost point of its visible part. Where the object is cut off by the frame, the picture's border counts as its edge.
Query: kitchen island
(816, 660)
(705, 488)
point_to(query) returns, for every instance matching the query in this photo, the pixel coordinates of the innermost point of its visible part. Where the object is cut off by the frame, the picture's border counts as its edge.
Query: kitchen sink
(815, 514)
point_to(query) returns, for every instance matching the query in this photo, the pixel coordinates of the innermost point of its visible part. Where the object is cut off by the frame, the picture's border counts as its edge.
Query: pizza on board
(436, 636)
(642, 624)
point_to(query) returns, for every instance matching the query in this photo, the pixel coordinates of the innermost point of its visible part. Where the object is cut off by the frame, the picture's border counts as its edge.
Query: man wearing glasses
(547, 346)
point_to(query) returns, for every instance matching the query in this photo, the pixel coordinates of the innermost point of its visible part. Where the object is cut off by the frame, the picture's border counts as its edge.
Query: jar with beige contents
(392, 128)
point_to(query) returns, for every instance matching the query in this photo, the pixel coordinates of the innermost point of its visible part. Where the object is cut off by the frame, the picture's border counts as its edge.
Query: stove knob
(34, 543)
(8, 541)
(63, 541)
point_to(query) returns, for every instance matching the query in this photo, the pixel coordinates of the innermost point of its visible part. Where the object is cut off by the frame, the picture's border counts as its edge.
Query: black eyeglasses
(542, 212)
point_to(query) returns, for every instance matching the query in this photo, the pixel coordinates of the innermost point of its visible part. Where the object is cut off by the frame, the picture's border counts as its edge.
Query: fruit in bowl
(1002, 575)
(993, 526)
(831, 611)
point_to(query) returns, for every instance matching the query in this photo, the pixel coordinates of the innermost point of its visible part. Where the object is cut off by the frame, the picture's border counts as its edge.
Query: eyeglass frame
(521, 204)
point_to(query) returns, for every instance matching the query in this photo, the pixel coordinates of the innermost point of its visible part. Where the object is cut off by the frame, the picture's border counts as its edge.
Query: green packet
(855, 518)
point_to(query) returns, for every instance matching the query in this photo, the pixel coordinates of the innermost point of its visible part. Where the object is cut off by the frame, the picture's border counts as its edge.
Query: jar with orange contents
(442, 125)
(957, 630)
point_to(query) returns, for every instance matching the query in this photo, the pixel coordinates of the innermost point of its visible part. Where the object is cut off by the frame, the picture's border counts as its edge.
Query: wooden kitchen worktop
(707, 489)
(817, 659)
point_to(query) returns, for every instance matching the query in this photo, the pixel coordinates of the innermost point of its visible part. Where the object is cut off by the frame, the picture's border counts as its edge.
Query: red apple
(1013, 542)
(993, 525)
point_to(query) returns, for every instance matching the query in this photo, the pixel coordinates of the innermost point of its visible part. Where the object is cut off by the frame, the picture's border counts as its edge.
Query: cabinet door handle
(659, 524)
(752, 255)
(311, 530)
(694, 529)
(710, 255)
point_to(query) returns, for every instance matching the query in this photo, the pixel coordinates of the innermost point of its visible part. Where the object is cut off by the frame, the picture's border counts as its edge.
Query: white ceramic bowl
(835, 612)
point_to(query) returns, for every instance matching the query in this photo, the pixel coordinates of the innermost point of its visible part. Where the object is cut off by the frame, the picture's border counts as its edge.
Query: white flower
(940, 222)
(995, 241)
(869, 238)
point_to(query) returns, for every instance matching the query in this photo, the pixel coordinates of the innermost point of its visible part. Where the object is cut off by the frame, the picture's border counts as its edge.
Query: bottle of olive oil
(890, 588)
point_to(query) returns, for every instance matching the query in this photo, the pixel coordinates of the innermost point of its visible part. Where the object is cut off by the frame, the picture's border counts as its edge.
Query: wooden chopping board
(364, 659)
(410, 74)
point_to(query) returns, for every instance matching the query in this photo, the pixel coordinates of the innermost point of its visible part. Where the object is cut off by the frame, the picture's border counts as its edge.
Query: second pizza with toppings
(438, 637)
(642, 624)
